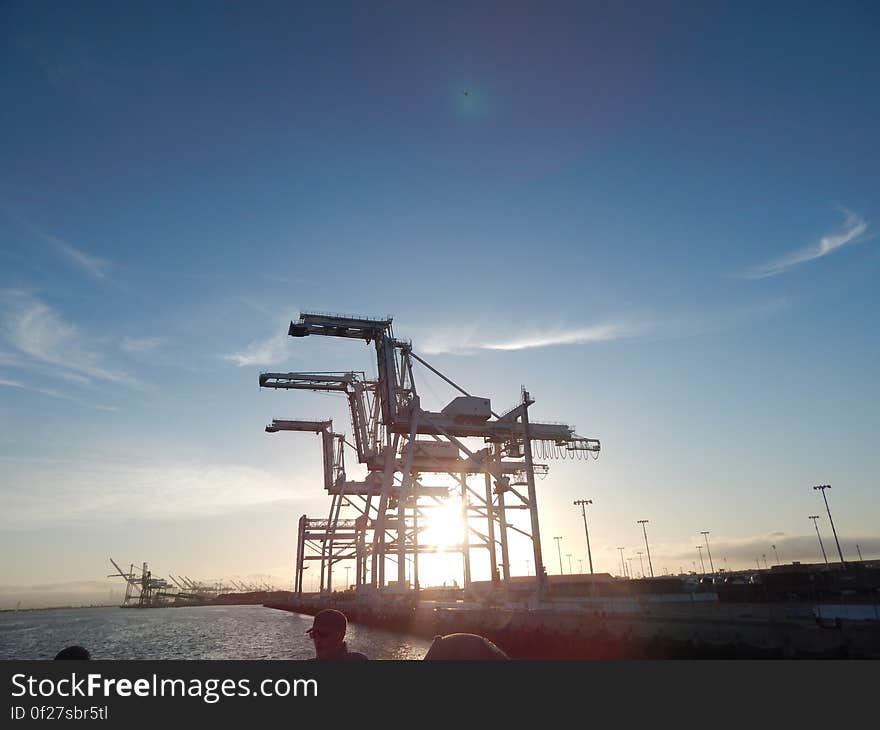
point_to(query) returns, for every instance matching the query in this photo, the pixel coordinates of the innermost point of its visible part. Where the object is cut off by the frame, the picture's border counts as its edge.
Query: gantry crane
(332, 539)
(151, 592)
(332, 536)
(387, 431)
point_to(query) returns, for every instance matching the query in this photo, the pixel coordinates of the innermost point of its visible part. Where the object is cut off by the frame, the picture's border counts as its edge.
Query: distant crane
(178, 583)
(151, 592)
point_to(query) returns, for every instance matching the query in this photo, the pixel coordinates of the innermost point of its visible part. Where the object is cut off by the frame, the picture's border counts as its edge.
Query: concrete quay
(694, 626)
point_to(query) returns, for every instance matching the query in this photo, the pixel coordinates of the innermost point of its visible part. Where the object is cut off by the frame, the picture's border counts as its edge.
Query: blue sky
(660, 219)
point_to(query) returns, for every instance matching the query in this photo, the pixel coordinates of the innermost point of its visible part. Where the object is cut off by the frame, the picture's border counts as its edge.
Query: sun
(444, 526)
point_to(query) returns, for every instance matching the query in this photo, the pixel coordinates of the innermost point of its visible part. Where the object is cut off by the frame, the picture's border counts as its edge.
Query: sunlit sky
(659, 218)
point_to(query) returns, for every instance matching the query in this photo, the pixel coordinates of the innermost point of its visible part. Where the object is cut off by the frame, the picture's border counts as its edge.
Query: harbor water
(205, 632)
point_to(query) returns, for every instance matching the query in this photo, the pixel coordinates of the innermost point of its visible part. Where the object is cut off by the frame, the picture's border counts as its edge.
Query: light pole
(559, 550)
(630, 561)
(815, 524)
(859, 551)
(822, 489)
(702, 564)
(776, 554)
(570, 571)
(580, 566)
(641, 562)
(705, 533)
(347, 571)
(583, 503)
(764, 558)
(622, 566)
(645, 531)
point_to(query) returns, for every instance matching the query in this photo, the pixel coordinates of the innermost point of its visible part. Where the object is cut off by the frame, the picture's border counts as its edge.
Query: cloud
(476, 338)
(105, 490)
(94, 265)
(140, 344)
(53, 394)
(72, 378)
(742, 552)
(261, 352)
(482, 336)
(581, 336)
(854, 228)
(270, 350)
(35, 330)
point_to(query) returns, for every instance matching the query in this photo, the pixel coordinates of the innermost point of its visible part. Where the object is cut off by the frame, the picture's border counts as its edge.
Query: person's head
(328, 631)
(73, 652)
(464, 646)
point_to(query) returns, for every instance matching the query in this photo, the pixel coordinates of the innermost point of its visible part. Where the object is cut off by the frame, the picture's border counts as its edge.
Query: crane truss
(392, 504)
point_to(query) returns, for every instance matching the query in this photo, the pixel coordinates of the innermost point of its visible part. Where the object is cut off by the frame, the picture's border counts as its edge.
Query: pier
(625, 619)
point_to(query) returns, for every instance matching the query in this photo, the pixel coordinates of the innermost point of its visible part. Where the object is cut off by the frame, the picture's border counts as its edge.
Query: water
(204, 632)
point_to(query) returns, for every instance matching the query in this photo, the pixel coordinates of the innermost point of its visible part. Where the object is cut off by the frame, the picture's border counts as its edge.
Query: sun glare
(444, 526)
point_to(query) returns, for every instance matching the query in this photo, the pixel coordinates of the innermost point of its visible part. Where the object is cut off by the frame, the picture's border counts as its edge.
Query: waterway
(205, 632)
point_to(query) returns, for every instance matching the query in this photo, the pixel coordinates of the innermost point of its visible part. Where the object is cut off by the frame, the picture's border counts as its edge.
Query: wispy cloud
(33, 329)
(94, 265)
(482, 336)
(854, 228)
(476, 338)
(7, 358)
(72, 377)
(269, 351)
(579, 336)
(139, 344)
(98, 490)
(6, 383)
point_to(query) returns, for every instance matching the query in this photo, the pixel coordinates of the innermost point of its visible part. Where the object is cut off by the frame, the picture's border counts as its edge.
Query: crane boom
(377, 331)
(352, 385)
(334, 466)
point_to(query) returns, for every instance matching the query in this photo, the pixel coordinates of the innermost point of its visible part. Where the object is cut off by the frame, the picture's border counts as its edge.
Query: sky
(660, 219)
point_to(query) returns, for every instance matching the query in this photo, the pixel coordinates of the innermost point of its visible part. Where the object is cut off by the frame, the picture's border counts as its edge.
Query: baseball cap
(328, 622)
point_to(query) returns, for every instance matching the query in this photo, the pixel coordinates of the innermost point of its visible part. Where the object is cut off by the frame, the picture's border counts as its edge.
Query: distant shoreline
(57, 608)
